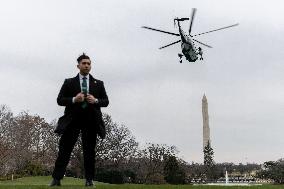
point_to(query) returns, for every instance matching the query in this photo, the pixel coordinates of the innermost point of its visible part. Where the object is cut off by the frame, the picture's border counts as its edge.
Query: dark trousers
(66, 145)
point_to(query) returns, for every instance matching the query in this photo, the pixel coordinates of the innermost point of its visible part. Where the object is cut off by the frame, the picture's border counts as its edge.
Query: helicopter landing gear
(180, 57)
(200, 52)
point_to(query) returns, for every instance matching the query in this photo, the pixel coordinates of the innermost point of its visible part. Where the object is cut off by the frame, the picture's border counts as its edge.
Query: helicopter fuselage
(187, 46)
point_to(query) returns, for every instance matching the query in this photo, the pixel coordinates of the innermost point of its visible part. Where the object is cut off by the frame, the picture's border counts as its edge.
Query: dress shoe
(89, 183)
(55, 182)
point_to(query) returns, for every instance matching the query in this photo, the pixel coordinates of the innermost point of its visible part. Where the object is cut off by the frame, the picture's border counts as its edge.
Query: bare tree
(6, 121)
(150, 162)
(119, 145)
(24, 139)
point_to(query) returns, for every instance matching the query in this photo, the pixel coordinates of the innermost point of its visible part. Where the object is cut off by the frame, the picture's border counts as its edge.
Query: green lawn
(72, 183)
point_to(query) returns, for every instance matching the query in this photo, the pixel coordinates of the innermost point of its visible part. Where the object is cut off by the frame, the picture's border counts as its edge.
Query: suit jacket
(73, 111)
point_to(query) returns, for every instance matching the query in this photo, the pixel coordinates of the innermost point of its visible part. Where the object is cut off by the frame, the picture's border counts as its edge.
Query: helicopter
(188, 48)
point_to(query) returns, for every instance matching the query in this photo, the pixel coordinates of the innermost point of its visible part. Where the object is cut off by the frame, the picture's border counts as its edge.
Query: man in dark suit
(83, 96)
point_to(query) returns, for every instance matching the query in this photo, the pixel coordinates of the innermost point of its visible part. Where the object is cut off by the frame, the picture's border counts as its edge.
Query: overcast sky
(150, 92)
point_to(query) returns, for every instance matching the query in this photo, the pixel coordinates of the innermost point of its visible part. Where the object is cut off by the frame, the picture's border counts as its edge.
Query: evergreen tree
(208, 155)
(210, 169)
(173, 172)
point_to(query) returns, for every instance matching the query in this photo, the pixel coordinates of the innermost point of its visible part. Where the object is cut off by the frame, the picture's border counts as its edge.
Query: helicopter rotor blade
(160, 31)
(170, 44)
(202, 43)
(217, 29)
(192, 18)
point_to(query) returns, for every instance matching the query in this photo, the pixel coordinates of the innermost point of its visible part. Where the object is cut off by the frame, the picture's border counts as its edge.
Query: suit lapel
(77, 86)
(92, 85)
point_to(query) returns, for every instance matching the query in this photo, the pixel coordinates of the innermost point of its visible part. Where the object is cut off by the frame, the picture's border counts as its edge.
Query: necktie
(85, 91)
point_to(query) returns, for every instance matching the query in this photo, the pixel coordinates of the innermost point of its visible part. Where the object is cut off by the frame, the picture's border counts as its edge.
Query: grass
(73, 183)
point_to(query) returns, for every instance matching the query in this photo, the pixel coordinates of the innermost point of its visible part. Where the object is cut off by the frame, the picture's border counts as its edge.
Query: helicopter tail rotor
(183, 19)
(180, 19)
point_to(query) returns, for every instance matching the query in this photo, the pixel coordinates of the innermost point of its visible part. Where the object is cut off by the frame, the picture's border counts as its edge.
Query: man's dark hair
(81, 57)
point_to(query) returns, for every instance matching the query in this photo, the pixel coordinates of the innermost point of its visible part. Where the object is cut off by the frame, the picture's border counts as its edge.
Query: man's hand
(91, 99)
(79, 97)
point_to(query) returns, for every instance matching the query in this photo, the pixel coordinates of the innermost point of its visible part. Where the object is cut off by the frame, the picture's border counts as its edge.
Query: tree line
(28, 147)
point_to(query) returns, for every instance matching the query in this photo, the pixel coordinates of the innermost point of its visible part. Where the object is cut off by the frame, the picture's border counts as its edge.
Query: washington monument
(206, 129)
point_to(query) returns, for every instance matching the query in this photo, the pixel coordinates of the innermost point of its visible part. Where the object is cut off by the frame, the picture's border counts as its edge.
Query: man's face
(84, 66)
